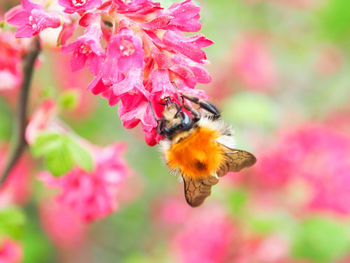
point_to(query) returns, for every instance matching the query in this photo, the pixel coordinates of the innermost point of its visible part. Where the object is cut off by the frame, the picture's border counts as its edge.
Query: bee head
(174, 121)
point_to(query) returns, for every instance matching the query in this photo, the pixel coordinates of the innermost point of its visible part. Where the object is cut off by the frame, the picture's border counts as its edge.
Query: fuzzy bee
(199, 148)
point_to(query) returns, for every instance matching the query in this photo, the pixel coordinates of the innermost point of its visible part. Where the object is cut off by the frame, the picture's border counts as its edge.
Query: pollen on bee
(197, 155)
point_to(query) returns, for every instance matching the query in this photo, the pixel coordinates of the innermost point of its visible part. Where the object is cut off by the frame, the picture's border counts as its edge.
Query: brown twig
(19, 142)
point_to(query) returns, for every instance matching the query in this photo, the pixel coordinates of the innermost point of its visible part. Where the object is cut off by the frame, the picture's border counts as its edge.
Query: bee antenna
(180, 98)
(153, 112)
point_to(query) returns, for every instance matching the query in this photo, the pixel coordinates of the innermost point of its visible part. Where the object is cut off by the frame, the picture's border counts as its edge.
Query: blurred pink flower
(61, 224)
(31, 19)
(253, 63)
(10, 251)
(205, 237)
(92, 195)
(173, 211)
(11, 52)
(271, 249)
(40, 120)
(316, 154)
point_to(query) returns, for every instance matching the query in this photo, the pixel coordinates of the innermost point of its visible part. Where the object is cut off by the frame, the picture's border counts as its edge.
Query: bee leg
(160, 128)
(154, 114)
(205, 105)
(193, 111)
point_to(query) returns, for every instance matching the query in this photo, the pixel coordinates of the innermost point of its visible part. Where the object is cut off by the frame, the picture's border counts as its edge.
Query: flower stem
(19, 142)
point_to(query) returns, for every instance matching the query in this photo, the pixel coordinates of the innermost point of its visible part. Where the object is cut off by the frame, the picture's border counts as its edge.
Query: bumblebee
(198, 146)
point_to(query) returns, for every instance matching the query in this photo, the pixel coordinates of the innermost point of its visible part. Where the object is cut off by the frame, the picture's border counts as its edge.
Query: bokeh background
(281, 78)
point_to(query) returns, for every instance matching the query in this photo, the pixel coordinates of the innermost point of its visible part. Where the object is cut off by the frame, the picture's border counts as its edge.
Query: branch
(19, 142)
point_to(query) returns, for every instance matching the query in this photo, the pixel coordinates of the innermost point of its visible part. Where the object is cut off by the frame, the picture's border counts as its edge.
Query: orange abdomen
(197, 155)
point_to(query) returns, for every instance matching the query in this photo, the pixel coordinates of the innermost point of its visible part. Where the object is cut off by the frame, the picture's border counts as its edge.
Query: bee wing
(235, 160)
(197, 189)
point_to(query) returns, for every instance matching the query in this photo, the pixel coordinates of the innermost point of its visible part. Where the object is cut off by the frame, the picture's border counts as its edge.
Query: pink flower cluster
(31, 19)
(92, 195)
(317, 155)
(136, 50)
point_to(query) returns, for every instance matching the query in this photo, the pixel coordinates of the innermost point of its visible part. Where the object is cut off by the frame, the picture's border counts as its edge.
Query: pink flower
(10, 251)
(185, 16)
(133, 109)
(61, 224)
(40, 120)
(191, 47)
(124, 51)
(31, 19)
(92, 195)
(192, 72)
(124, 57)
(159, 79)
(79, 6)
(66, 33)
(131, 84)
(86, 48)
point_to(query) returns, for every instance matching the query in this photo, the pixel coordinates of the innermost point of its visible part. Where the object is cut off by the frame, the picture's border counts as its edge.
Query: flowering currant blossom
(92, 195)
(31, 19)
(86, 48)
(136, 50)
